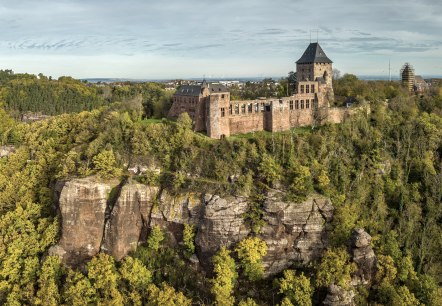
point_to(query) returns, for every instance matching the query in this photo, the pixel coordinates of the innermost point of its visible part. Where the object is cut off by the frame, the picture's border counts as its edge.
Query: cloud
(231, 30)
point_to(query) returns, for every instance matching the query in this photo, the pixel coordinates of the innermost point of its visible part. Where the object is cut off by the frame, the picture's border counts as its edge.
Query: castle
(211, 109)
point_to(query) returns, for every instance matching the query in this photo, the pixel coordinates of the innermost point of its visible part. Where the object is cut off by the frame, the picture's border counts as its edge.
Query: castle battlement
(211, 109)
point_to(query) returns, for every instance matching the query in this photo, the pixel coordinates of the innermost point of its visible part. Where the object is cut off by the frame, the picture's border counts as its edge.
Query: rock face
(337, 296)
(363, 255)
(128, 217)
(294, 231)
(222, 224)
(6, 150)
(82, 205)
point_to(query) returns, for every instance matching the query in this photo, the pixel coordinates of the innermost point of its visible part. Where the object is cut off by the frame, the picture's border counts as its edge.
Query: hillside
(377, 240)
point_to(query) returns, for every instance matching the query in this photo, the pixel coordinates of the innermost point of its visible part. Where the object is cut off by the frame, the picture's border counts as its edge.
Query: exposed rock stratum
(94, 219)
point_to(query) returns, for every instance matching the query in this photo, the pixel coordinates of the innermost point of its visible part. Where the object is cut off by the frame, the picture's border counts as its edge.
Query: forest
(381, 170)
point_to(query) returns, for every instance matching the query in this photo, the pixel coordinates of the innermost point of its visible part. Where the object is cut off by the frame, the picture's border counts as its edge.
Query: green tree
(296, 288)
(300, 182)
(49, 282)
(269, 170)
(225, 278)
(165, 296)
(335, 268)
(156, 236)
(78, 289)
(105, 164)
(188, 239)
(184, 121)
(137, 278)
(104, 278)
(250, 252)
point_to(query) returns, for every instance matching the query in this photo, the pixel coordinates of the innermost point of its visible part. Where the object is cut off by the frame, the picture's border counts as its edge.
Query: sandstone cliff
(363, 256)
(94, 219)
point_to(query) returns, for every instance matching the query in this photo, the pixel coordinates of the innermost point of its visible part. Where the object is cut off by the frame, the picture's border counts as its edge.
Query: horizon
(149, 40)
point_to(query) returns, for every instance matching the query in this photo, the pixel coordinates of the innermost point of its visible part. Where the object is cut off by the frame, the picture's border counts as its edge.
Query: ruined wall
(339, 114)
(217, 109)
(199, 120)
(182, 104)
(325, 71)
(301, 117)
(279, 116)
(246, 123)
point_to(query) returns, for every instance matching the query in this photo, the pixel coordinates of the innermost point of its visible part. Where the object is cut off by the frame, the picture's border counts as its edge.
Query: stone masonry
(211, 109)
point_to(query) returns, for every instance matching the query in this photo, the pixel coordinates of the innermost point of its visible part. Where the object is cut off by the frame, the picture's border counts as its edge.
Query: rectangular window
(313, 88)
(297, 104)
(243, 108)
(302, 104)
(236, 109)
(291, 104)
(302, 89)
(262, 107)
(250, 107)
(307, 88)
(230, 109)
(222, 96)
(256, 108)
(307, 103)
(222, 112)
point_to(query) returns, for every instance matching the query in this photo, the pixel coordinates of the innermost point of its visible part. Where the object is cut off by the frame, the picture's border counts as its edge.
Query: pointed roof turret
(314, 54)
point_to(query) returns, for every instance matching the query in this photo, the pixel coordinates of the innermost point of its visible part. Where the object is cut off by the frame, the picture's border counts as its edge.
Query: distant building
(211, 109)
(407, 76)
(420, 86)
(414, 83)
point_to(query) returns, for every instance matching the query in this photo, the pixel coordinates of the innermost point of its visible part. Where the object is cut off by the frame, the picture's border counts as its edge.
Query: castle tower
(314, 65)
(407, 76)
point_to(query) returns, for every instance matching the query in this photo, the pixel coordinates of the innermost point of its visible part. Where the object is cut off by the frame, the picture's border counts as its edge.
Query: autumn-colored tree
(335, 268)
(296, 288)
(225, 278)
(250, 252)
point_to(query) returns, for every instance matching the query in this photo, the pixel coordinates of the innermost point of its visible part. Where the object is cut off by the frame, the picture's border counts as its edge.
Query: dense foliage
(26, 93)
(382, 171)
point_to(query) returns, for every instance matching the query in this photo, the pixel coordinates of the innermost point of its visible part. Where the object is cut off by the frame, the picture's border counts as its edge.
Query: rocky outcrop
(363, 255)
(93, 221)
(222, 224)
(338, 296)
(294, 232)
(173, 211)
(6, 150)
(128, 217)
(82, 207)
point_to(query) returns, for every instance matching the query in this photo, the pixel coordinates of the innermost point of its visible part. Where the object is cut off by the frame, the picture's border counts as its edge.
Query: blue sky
(230, 38)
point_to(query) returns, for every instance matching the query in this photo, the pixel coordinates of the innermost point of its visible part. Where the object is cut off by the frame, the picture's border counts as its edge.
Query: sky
(147, 39)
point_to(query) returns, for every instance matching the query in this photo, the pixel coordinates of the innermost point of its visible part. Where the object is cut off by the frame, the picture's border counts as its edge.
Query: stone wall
(279, 116)
(246, 123)
(199, 120)
(339, 114)
(184, 104)
(217, 109)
